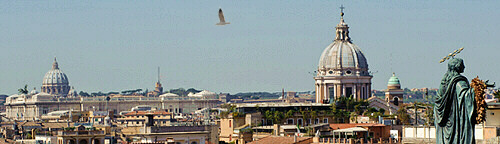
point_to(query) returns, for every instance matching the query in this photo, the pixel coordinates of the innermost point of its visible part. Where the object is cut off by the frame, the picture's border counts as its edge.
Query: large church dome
(55, 81)
(342, 69)
(55, 76)
(342, 57)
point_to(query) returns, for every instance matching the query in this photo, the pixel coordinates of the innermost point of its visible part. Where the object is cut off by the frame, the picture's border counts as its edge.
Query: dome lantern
(55, 65)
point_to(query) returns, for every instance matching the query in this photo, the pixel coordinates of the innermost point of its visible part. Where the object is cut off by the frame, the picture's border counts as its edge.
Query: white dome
(169, 95)
(55, 76)
(55, 81)
(204, 94)
(342, 57)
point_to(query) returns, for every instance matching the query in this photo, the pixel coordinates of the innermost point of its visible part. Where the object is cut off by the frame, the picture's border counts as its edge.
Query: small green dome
(393, 80)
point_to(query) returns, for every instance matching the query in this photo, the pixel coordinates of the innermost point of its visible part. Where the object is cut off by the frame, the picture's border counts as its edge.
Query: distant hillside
(2, 98)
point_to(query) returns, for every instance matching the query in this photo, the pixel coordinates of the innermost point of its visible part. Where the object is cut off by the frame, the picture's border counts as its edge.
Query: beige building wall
(493, 117)
(227, 128)
(30, 110)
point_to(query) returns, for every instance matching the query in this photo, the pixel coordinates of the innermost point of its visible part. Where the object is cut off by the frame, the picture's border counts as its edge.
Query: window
(348, 91)
(299, 122)
(316, 121)
(289, 121)
(325, 120)
(229, 123)
(331, 97)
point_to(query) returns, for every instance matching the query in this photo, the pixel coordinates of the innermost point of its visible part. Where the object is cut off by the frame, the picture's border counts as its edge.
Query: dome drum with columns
(55, 82)
(342, 69)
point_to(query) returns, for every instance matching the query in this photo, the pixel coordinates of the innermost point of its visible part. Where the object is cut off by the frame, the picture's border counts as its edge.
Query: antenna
(390, 61)
(158, 74)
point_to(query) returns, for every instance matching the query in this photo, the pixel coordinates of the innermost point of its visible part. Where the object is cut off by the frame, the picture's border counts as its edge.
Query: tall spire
(158, 74)
(55, 65)
(342, 29)
(158, 87)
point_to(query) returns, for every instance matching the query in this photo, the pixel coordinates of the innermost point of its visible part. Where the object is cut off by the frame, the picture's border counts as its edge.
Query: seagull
(221, 18)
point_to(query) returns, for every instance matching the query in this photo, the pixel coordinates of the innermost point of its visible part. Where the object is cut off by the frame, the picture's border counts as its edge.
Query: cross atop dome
(342, 29)
(342, 10)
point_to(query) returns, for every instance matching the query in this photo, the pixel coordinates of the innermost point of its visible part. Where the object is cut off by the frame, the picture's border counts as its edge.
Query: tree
(314, 114)
(403, 116)
(430, 116)
(23, 90)
(268, 115)
(110, 93)
(84, 94)
(289, 114)
(382, 111)
(278, 117)
(497, 94)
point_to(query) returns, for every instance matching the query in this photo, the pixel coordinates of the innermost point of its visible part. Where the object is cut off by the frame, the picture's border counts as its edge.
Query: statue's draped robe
(454, 112)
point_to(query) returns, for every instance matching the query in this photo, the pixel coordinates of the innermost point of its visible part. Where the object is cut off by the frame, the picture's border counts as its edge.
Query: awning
(352, 129)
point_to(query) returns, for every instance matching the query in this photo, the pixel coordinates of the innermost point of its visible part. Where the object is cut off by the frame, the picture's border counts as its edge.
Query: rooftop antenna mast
(158, 74)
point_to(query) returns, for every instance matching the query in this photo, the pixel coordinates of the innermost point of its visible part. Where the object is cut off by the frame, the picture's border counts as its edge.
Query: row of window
(290, 121)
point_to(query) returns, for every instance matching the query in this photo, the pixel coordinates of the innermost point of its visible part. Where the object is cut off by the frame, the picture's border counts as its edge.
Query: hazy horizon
(269, 45)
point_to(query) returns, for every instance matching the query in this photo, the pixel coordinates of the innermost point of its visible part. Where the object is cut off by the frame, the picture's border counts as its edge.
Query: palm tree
(23, 90)
(289, 114)
(278, 116)
(268, 115)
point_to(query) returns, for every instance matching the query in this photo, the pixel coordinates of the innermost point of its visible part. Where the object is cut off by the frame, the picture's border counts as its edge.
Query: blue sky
(269, 45)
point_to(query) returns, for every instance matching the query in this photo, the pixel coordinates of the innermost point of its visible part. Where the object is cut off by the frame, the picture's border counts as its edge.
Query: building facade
(33, 106)
(342, 69)
(57, 96)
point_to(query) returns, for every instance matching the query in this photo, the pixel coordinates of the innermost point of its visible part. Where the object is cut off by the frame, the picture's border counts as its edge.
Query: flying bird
(221, 18)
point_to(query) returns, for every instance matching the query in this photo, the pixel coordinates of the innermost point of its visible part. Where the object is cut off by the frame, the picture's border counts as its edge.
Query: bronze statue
(456, 109)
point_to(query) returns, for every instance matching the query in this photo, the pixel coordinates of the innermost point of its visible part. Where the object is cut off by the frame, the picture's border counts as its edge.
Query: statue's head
(457, 65)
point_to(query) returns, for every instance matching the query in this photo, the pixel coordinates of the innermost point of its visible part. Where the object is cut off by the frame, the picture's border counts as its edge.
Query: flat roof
(240, 105)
